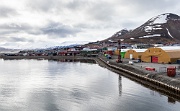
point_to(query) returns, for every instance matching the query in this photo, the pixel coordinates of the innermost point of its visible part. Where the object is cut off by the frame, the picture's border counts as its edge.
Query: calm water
(32, 85)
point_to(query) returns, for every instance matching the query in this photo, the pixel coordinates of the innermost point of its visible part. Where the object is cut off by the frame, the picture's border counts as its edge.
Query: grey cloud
(6, 11)
(40, 5)
(78, 4)
(45, 5)
(157, 4)
(10, 28)
(99, 26)
(88, 26)
(137, 12)
(99, 10)
(55, 5)
(148, 6)
(15, 26)
(16, 39)
(4, 32)
(55, 29)
(102, 11)
(130, 24)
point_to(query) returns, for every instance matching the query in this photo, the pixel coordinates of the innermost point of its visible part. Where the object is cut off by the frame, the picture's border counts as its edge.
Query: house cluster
(85, 50)
(88, 49)
(168, 54)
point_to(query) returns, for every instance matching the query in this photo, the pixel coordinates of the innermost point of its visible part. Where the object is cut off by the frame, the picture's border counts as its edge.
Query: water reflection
(171, 100)
(77, 60)
(33, 85)
(120, 85)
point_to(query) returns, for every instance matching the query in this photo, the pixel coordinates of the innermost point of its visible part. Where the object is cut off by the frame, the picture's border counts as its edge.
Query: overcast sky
(44, 23)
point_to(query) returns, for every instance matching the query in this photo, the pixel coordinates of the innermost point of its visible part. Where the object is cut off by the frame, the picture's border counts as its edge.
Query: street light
(119, 53)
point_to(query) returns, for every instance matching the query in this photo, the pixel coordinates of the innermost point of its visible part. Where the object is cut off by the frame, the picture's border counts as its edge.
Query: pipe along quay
(162, 87)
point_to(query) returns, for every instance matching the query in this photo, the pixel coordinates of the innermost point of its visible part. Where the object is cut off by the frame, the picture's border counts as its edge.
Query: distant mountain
(69, 44)
(164, 28)
(6, 50)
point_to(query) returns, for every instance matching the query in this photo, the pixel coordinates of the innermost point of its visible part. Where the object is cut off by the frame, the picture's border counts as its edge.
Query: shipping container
(171, 71)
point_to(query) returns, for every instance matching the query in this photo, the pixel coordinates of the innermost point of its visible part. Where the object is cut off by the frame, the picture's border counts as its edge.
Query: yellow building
(158, 55)
(132, 54)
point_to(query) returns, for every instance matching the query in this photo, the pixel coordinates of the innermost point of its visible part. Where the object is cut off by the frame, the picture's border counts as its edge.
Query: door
(131, 56)
(154, 59)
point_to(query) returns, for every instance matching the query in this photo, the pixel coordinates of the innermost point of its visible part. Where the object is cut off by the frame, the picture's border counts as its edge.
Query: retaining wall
(146, 80)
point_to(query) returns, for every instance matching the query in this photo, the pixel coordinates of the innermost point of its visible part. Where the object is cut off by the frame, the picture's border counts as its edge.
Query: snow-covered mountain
(69, 44)
(163, 28)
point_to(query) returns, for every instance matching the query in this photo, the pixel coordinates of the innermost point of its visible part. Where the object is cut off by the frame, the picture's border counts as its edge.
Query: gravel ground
(159, 74)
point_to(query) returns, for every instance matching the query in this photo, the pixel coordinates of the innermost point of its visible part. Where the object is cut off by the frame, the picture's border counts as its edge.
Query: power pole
(119, 52)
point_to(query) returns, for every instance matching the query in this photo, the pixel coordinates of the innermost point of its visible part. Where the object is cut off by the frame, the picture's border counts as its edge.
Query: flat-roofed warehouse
(161, 55)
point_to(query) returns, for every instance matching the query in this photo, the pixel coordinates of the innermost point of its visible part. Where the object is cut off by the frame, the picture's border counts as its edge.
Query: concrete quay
(152, 79)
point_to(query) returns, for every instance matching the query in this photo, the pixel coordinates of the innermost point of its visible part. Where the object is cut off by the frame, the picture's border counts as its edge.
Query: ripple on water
(33, 85)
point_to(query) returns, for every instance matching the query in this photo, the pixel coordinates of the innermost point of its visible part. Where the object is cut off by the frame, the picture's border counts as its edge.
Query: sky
(46, 23)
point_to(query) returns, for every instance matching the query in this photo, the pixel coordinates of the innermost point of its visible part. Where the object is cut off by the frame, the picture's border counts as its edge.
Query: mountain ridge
(163, 28)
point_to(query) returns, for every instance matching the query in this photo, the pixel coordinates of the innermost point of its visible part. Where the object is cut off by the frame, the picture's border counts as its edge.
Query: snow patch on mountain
(160, 19)
(149, 36)
(155, 24)
(169, 33)
(150, 28)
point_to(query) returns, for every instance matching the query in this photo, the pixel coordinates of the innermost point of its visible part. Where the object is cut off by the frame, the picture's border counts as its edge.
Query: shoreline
(167, 85)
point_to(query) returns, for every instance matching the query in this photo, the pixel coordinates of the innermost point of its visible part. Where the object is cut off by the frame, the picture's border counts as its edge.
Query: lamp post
(119, 51)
